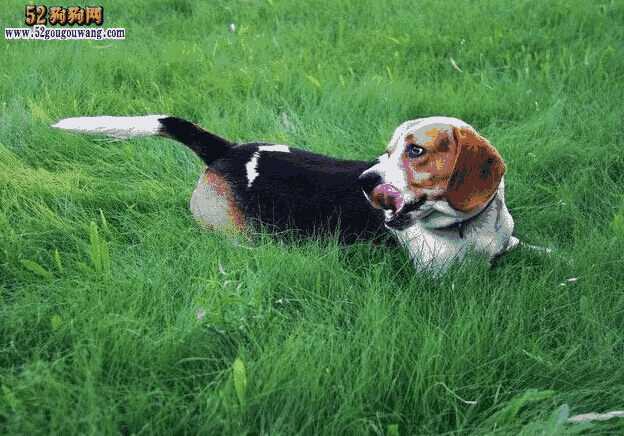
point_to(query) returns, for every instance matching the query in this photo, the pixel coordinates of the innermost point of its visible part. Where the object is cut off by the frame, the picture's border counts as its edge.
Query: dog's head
(435, 164)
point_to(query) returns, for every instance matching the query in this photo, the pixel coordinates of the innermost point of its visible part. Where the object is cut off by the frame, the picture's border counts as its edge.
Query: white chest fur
(488, 233)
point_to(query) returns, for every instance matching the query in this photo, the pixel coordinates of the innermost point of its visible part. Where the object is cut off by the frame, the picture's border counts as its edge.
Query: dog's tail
(205, 144)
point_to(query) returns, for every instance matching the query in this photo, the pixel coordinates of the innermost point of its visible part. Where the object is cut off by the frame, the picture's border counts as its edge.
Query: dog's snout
(368, 181)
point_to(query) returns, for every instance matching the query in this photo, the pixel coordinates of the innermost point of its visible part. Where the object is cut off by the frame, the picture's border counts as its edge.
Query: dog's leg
(536, 248)
(206, 145)
(515, 242)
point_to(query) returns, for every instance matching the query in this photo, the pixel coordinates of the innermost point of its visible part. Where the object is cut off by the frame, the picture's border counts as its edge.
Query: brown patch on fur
(477, 171)
(222, 188)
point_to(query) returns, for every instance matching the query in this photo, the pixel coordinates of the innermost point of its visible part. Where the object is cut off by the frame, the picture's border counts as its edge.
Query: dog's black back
(302, 191)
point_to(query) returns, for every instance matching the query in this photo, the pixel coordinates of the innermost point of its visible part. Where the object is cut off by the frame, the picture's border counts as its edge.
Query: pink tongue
(388, 196)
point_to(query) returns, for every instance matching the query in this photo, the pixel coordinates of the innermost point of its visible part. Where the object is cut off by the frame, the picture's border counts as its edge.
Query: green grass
(119, 315)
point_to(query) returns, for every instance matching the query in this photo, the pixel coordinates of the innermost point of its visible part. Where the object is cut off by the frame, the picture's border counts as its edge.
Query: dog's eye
(413, 151)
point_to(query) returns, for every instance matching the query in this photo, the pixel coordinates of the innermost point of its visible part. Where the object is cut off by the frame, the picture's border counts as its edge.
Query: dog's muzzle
(387, 197)
(380, 195)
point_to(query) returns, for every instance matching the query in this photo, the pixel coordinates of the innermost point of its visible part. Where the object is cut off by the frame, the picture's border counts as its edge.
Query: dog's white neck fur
(434, 246)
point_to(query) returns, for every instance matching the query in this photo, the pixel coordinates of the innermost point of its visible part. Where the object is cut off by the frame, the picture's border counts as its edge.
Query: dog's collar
(460, 225)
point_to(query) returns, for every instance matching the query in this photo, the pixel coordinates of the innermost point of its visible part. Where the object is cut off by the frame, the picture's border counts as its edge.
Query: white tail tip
(117, 127)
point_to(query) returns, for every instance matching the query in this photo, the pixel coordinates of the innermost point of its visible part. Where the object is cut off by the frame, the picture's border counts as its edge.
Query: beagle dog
(438, 188)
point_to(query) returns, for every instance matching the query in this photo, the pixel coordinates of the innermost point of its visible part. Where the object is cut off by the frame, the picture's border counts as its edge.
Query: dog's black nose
(368, 181)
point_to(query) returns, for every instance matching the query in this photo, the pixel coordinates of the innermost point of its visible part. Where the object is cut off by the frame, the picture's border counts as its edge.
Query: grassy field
(118, 315)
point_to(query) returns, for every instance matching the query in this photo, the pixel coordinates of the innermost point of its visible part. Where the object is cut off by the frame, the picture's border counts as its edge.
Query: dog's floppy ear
(477, 172)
